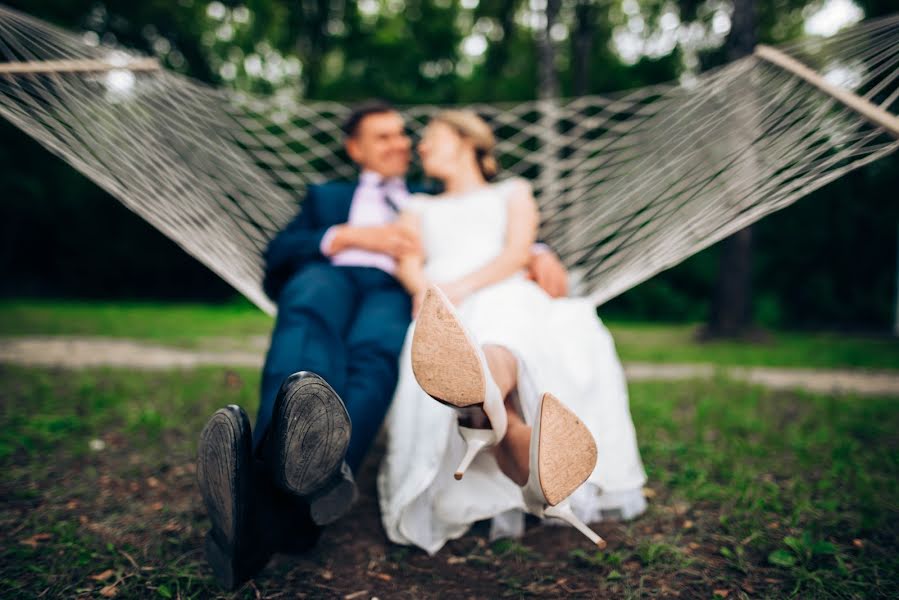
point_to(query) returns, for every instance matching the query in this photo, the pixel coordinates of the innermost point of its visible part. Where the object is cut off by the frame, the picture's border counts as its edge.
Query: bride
(520, 396)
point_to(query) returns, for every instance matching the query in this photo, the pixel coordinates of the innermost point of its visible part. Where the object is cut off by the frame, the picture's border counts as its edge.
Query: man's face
(381, 145)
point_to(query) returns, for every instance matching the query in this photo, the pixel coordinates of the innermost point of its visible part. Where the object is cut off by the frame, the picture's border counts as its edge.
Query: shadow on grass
(752, 493)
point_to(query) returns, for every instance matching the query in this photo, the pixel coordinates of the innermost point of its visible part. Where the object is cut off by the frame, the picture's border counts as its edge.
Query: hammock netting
(628, 184)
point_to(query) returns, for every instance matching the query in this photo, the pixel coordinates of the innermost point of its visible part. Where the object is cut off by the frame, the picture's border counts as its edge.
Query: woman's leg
(513, 452)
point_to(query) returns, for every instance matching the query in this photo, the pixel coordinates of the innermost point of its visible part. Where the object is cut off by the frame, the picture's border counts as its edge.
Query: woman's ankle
(513, 453)
(503, 368)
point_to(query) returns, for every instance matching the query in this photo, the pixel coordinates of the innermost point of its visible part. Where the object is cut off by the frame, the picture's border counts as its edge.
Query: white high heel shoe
(562, 457)
(451, 368)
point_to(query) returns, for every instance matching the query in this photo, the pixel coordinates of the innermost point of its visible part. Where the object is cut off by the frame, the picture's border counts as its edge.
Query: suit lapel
(346, 201)
(334, 202)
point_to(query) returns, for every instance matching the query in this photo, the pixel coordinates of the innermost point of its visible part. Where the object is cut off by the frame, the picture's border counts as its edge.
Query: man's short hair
(360, 111)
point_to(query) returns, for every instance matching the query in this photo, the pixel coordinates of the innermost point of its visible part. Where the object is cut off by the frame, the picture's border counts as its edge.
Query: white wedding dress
(562, 348)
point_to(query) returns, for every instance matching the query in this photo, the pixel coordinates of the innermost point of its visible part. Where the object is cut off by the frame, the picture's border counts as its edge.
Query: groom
(332, 365)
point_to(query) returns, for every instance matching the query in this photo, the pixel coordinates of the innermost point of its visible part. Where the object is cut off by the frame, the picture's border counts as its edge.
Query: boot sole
(223, 478)
(311, 430)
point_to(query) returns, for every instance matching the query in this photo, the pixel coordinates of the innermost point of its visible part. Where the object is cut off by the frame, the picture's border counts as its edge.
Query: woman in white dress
(490, 342)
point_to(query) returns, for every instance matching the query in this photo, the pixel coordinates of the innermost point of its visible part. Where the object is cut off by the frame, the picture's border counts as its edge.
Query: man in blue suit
(332, 366)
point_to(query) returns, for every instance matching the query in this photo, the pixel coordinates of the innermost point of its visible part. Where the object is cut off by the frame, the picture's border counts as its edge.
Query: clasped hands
(392, 239)
(400, 241)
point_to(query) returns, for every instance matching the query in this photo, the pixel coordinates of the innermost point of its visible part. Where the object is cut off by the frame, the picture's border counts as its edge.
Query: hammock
(628, 185)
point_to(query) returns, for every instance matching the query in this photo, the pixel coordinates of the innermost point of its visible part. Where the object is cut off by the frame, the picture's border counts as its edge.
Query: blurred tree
(499, 15)
(62, 235)
(731, 310)
(546, 53)
(310, 22)
(585, 17)
(416, 45)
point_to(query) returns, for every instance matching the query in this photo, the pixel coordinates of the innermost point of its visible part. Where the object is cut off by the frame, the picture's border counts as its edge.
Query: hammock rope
(628, 185)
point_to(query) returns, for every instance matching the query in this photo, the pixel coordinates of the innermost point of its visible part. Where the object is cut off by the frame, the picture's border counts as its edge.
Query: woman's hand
(548, 271)
(393, 239)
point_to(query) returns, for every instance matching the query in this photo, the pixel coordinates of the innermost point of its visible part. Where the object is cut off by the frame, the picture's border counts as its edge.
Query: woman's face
(441, 149)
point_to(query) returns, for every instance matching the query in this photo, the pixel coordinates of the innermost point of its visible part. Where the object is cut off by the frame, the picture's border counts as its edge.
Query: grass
(677, 343)
(176, 324)
(193, 325)
(753, 493)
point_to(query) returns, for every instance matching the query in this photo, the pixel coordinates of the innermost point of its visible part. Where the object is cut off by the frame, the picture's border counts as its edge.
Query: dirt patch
(145, 520)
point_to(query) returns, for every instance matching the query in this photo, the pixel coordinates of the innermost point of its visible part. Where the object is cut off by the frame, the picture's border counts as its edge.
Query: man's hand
(392, 239)
(548, 271)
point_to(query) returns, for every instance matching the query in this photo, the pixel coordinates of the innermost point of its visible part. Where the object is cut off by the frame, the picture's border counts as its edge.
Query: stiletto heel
(562, 457)
(563, 511)
(451, 368)
(475, 441)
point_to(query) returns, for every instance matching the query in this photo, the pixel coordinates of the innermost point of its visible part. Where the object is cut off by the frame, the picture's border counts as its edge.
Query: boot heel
(222, 563)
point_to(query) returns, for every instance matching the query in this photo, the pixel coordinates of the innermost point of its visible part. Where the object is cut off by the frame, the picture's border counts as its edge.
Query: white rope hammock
(628, 185)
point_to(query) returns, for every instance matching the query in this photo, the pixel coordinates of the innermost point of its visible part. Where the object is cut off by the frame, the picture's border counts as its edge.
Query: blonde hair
(470, 126)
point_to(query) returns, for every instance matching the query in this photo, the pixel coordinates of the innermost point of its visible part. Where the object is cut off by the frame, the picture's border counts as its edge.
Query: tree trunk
(731, 311)
(498, 53)
(547, 183)
(546, 54)
(312, 19)
(585, 17)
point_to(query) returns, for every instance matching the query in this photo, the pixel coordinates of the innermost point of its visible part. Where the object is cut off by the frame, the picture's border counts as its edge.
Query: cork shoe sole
(445, 360)
(566, 453)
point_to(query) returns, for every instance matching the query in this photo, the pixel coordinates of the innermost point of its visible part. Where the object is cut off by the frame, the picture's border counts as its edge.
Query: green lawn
(676, 343)
(753, 493)
(177, 324)
(190, 324)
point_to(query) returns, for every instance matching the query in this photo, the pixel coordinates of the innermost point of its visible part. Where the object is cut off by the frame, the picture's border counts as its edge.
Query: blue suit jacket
(297, 245)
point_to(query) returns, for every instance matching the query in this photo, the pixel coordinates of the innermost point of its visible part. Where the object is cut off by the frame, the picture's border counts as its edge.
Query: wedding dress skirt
(562, 348)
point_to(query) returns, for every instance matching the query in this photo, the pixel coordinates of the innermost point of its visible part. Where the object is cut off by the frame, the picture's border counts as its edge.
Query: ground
(752, 493)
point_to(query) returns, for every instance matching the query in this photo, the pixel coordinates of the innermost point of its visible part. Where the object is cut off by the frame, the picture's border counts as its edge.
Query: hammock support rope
(875, 114)
(76, 66)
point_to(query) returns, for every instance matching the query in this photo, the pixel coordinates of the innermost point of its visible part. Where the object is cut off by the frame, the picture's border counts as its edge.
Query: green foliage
(802, 550)
(795, 480)
(99, 401)
(513, 550)
(809, 560)
(652, 553)
(599, 559)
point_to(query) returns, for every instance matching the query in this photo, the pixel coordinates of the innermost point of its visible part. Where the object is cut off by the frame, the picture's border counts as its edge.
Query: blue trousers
(346, 324)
